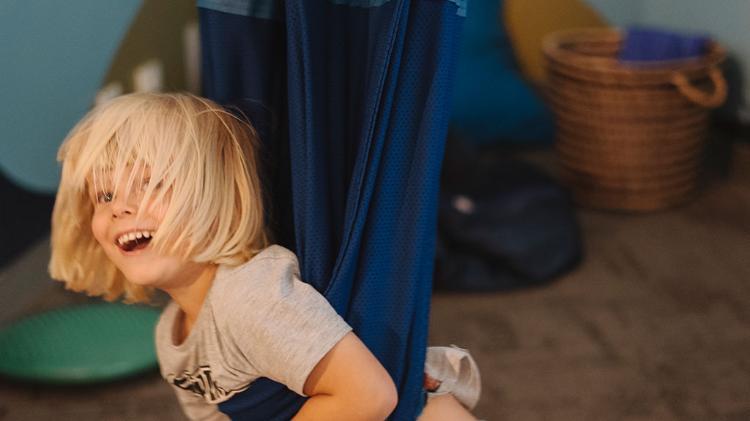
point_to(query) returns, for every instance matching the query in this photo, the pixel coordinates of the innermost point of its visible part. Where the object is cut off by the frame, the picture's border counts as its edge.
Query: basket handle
(699, 97)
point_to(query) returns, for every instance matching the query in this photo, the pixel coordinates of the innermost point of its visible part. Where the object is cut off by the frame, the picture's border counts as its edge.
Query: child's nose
(122, 206)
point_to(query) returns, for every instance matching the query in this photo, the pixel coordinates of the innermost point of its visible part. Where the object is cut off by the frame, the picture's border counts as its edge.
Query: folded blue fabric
(648, 44)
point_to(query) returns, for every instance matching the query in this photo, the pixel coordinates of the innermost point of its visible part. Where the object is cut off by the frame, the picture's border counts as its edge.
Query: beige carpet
(654, 325)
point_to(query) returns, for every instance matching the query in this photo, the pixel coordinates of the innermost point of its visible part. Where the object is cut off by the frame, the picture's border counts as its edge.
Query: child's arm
(349, 383)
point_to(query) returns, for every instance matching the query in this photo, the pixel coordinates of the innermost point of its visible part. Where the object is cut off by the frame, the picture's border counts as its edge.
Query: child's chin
(143, 279)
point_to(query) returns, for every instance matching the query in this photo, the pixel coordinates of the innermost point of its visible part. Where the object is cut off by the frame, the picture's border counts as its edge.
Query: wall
(619, 12)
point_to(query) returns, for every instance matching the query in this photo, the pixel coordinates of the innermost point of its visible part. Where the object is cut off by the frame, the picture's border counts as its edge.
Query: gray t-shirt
(258, 320)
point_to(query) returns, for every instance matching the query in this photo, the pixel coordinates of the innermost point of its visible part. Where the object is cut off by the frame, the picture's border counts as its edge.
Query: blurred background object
(725, 23)
(80, 344)
(493, 104)
(529, 21)
(504, 224)
(632, 131)
(60, 54)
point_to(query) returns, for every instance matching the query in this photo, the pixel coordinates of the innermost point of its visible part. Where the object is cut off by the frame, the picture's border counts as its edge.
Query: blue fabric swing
(352, 102)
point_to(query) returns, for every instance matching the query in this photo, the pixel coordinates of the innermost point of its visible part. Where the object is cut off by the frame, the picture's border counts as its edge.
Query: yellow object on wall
(529, 21)
(154, 48)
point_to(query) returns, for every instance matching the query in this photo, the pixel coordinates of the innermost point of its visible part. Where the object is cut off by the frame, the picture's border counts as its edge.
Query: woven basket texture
(629, 136)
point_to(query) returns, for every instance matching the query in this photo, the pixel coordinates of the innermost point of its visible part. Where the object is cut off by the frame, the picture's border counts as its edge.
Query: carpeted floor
(654, 325)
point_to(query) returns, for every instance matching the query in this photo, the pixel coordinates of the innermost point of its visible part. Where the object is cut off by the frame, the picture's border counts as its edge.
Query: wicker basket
(629, 137)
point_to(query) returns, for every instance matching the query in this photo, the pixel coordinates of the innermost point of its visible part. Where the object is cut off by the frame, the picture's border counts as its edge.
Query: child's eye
(104, 197)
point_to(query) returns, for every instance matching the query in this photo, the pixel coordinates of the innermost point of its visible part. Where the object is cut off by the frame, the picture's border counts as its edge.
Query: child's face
(125, 236)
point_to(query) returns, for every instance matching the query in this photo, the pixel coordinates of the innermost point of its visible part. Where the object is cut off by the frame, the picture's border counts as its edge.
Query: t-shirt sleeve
(282, 325)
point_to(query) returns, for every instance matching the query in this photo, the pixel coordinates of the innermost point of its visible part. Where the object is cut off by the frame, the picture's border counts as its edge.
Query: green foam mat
(80, 344)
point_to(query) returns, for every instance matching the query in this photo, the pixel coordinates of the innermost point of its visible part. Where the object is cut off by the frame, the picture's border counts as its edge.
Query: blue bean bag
(492, 103)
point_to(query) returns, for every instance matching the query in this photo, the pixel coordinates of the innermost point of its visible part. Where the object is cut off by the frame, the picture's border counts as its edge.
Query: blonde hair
(202, 155)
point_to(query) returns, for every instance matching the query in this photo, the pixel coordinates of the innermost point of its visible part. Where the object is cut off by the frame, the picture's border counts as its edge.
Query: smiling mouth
(134, 241)
(137, 244)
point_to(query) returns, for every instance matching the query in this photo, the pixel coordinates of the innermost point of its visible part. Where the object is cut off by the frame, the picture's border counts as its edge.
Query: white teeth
(134, 235)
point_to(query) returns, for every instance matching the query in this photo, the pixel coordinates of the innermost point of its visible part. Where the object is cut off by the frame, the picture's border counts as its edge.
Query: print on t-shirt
(202, 384)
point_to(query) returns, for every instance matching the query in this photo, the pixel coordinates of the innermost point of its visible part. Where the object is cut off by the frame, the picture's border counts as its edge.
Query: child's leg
(445, 408)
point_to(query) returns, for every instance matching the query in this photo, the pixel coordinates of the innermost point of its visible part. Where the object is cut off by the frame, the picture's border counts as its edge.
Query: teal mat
(80, 344)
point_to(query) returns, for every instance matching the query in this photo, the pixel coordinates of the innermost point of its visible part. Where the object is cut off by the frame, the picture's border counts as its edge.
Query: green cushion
(80, 344)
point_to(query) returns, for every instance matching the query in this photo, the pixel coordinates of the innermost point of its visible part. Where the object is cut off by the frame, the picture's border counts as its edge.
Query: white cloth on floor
(457, 373)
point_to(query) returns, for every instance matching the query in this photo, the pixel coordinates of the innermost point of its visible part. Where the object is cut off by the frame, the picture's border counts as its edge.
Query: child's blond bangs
(176, 150)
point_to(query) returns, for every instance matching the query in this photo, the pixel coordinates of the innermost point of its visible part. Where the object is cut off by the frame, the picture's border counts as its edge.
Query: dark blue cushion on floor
(503, 224)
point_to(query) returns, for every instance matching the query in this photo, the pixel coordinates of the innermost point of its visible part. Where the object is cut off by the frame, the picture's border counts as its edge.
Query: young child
(160, 191)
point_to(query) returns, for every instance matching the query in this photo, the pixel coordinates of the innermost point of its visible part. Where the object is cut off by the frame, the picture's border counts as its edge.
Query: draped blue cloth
(351, 100)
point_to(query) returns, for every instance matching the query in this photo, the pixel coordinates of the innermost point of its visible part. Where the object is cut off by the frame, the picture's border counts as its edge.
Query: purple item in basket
(644, 44)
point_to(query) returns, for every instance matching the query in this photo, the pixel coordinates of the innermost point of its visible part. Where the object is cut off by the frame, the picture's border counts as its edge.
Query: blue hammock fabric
(352, 102)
